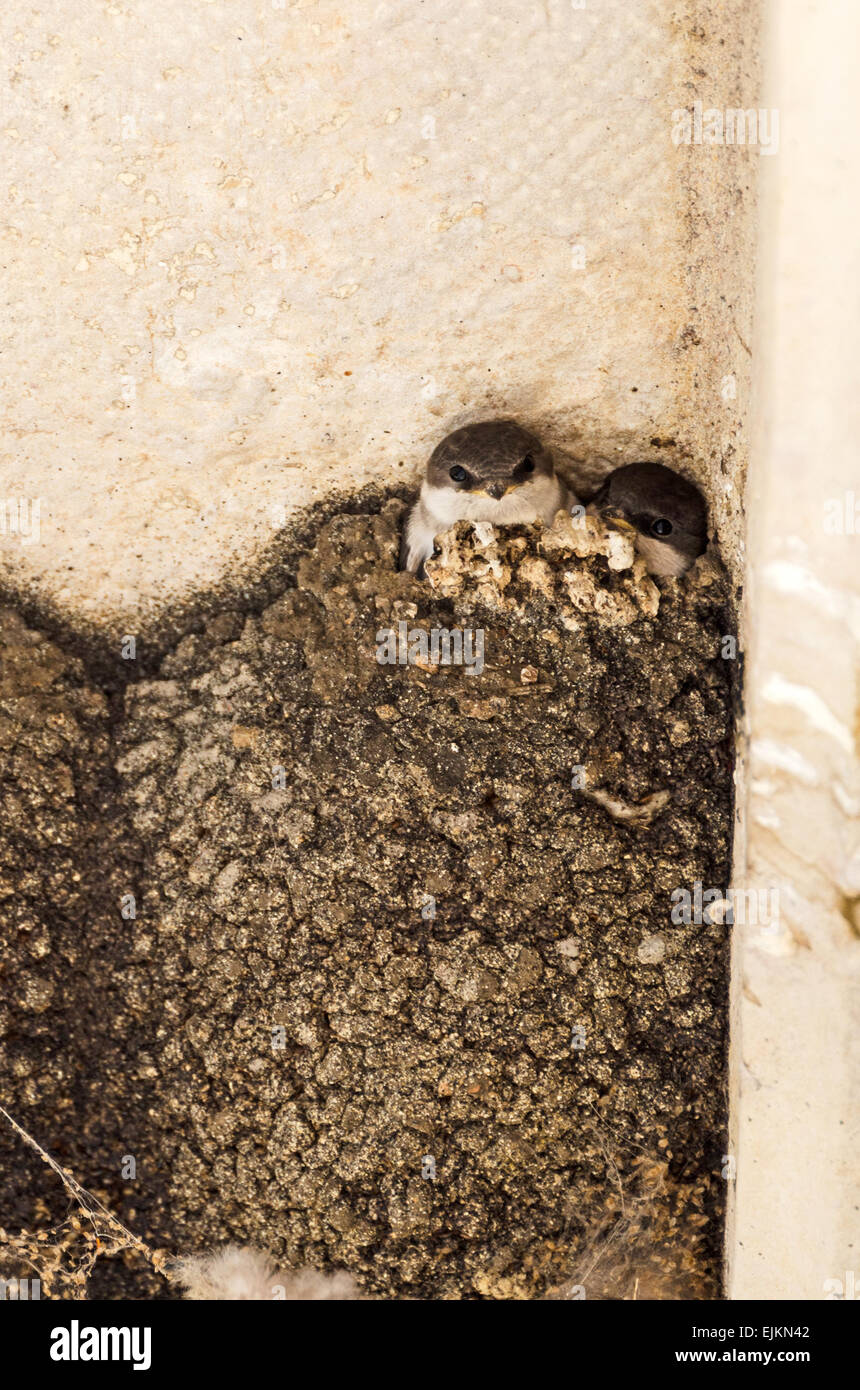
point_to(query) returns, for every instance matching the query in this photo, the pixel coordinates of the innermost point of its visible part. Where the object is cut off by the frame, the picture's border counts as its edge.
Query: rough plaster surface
(795, 1231)
(258, 252)
(280, 1036)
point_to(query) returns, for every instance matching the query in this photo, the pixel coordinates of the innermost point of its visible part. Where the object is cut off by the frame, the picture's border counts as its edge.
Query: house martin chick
(493, 471)
(665, 514)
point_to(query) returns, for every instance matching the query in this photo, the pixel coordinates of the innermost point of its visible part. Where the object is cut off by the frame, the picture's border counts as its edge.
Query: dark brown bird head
(665, 513)
(491, 458)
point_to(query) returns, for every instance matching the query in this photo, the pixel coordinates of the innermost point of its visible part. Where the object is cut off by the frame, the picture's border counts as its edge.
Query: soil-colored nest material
(401, 993)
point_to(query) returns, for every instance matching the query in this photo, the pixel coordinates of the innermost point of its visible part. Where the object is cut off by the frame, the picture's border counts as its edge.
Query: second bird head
(663, 512)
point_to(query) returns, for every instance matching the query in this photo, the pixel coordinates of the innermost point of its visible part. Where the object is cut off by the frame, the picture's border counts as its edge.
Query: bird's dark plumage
(666, 513)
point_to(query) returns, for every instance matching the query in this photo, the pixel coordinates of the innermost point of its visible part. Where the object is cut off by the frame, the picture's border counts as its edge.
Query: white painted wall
(796, 1041)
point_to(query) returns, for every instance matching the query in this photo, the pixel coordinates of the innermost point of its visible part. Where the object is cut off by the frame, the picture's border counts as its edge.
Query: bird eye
(458, 474)
(528, 464)
(661, 527)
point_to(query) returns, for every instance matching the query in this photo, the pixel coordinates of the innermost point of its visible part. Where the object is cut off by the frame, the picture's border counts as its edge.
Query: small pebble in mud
(652, 950)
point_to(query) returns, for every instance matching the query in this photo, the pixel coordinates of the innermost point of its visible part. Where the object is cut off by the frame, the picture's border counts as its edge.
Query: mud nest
(397, 988)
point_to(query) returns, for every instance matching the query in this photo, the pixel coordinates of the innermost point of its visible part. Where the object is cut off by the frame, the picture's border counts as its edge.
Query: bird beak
(615, 517)
(497, 490)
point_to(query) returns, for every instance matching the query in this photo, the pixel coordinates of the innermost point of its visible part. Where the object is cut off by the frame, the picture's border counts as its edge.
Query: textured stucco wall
(260, 250)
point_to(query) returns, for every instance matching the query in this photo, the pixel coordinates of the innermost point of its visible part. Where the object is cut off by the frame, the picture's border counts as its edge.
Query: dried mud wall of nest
(280, 1037)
